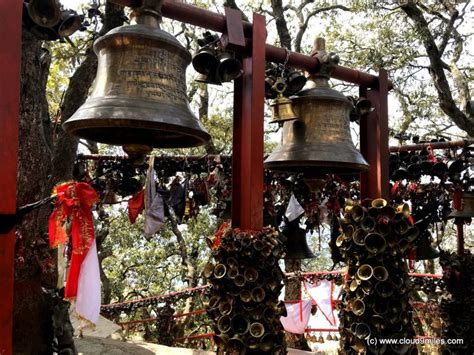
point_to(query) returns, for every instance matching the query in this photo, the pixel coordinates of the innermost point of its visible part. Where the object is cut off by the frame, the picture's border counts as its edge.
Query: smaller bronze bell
(220, 271)
(358, 237)
(384, 289)
(223, 324)
(251, 274)
(282, 109)
(363, 106)
(258, 294)
(367, 224)
(295, 83)
(225, 307)
(320, 339)
(70, 23)
(362, 331)
(205, 61)
(358, 307)
(424, 249)
(240, 324)
(45, 13)
(257, 329)
(364, 272)
(245, 296)
(208, 270)
(208, 79)
(380, 273)
(375, 243)
(229, 68)
(329, 337)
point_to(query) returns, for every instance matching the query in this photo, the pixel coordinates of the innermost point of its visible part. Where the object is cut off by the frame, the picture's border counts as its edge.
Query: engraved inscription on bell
(147, 74)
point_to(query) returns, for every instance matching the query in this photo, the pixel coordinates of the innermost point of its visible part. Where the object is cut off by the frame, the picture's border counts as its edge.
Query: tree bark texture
(436, 70)
(40, 167)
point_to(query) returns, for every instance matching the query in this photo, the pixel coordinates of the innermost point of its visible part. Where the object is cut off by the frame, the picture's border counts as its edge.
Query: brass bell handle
(279, 86)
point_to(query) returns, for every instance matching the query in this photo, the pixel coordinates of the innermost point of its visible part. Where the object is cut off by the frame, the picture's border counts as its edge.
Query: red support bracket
(247, 160)
(10, 64)
(233, 38)
(374, 141)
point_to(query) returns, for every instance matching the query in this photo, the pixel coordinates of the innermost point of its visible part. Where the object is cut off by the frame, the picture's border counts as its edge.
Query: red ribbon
(218, 235)
(74, 203)
(136, 204)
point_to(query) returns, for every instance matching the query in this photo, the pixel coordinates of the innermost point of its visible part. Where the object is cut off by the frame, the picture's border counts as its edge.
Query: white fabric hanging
(298, 316)
(88, 287)
(294, 209)
(321, 294)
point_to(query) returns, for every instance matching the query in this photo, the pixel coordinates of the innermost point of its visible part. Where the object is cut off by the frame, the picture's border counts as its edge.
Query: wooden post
(247, 148)
(10, 64)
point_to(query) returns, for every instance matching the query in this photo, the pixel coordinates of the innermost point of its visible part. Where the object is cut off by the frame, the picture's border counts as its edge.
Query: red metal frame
(434, 145)
(374, 141)
(10, 63)
(247, 161)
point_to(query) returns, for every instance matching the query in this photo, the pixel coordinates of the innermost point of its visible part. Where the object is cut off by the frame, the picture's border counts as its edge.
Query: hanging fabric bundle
(74, 205)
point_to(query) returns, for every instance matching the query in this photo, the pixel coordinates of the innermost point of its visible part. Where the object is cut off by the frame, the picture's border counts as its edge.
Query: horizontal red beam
(215, 22)
(434, 145)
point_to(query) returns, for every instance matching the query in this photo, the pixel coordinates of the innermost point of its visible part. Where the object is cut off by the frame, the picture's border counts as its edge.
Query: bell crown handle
(149, 13)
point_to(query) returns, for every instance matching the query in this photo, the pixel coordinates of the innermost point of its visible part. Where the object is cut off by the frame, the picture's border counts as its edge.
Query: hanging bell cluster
(280, 84)
(318, 142)
(48, 21)
(362, 107)
(374, 241)
(243, 298)
(139, 98)
(214, 64)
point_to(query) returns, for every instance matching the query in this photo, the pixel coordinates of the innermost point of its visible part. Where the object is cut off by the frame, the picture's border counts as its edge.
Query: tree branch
(446, 101)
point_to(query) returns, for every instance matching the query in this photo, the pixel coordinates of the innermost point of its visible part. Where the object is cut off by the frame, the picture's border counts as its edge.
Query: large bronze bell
(296, 244)
(319, 142)
(140, 89)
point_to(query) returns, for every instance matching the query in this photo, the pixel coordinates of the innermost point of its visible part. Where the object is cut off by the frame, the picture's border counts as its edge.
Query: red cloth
(74, 202)
(136, 204)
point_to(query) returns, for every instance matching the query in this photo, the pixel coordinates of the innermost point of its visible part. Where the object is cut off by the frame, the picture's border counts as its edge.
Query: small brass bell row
(243, 298)
(214, 64)
(47, 21)
(293, 80)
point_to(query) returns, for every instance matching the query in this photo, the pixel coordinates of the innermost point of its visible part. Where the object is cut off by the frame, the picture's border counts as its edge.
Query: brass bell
(45, 13)
(424, 249)
(245, 296)
(296, 244)
(296, 81)
(282, 108)
(223, 324)
(257, 329)
(380, 273)
(367, 224)
(225, 307)
(362, 331)
(208, 79)
(228, 67)
(358, 237)
(358, 307)
(220, 271)
(375, 243)
(467, 206)
(251, 274)
(364, 272)
(205, 61)
(236, 343)
(70, 23)
(319, 142)
(258, 294)
(140, 89)
(240, 324)
(363, 106)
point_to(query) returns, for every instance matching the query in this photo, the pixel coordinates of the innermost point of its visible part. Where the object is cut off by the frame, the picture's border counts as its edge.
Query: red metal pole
(374, 142)
(215, 22)
(247, 162)
(10, 61)
(434, 145)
